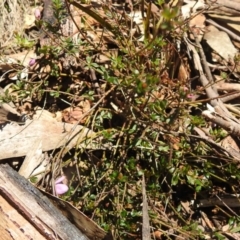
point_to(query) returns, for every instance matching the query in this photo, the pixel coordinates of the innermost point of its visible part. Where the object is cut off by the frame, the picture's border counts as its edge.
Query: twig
(226, 97)
(230, 33)
(224, 122)
(77, 26)
(217, 67)
(204, 60)
(229, 4)
(146, 226)
(222, 86)
(233, 109)
(217, 103)
(231, 97)
(205, 83)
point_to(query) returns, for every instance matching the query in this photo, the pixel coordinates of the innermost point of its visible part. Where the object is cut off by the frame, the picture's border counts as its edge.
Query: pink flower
(185, 89)
(32, 62)
(60, 188)
(190, 95)
(37, 14)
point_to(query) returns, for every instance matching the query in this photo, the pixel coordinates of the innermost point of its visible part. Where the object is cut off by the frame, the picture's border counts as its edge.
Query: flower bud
(37, 14)
(190, 96)
(60, 188)
(32, 62)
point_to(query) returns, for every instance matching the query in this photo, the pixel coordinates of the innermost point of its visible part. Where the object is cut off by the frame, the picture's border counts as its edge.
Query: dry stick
(204, 61)
(225, 118)
(233, 109)
(230, 33)
(230, 4)
(231, 126)
(67, 4)
(233, 153)
(205, 83)
(145, 217)
(217, 66)
(223, 86)
(230, 97)
(231, 200)
(208, 88)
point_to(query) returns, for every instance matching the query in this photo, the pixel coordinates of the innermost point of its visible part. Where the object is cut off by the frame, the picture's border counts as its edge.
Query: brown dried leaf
(157, 234)
(74, 115)
(220, 42)
(197, 25)
(17, 140)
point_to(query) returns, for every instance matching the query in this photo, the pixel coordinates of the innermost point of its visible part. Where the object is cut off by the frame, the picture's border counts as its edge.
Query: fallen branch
(224, 122)
(223, 86)
(20, 200)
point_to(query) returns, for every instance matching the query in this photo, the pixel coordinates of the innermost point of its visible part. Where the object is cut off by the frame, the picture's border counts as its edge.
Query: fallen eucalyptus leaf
(32, 160)
(17, 140)
(220, 42)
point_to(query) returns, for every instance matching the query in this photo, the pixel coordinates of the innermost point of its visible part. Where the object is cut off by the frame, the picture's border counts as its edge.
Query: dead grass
(12, 14)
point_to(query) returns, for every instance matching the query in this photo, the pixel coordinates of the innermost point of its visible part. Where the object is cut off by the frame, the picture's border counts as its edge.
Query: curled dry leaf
(35, 67)
(46, 69)
(74, 115)
(35, 163)
(183, 72)
(157, 234)
(85, 224)
(229, 144)
(197, 25)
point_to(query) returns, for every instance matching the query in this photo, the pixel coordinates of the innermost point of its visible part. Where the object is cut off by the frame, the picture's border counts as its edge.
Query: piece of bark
(81, 221)
(30, 212)
(14, 225)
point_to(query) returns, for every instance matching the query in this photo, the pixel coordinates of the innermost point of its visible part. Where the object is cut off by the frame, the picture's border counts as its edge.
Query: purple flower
(37, 14)
(32, 62)
(60, 188)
